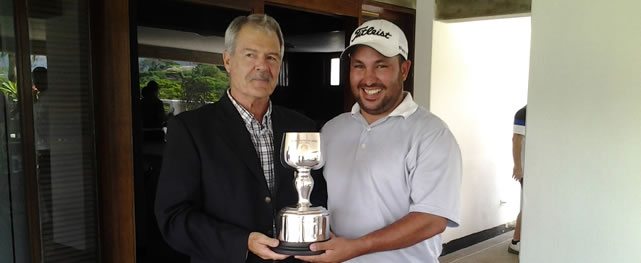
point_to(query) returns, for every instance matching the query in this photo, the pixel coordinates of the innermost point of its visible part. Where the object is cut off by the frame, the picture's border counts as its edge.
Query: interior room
(78, 163)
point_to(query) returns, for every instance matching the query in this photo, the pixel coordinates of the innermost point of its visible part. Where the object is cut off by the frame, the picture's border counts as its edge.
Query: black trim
(23, 68)
(475, 238)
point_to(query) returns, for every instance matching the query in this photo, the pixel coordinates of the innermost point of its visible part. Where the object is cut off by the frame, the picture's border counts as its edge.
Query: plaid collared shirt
(262, 136)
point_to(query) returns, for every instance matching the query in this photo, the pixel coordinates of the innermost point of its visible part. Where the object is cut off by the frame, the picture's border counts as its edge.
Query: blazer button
(268, 199)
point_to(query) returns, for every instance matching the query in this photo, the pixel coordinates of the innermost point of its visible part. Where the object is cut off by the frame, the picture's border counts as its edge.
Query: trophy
(300, 226)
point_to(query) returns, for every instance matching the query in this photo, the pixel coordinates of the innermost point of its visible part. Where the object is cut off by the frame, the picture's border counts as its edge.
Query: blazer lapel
(239, 140)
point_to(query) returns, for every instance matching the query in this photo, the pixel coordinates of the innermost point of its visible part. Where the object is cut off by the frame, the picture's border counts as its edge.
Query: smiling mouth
(372, 91)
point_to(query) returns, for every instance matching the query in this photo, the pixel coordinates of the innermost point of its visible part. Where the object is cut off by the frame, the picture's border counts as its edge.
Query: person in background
(393, 169)
(153, 112)
(518, 150)
(222, 182)
(42, 106)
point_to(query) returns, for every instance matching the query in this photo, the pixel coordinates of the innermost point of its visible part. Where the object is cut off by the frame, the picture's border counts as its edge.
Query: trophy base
(299, 227)
(295, 249)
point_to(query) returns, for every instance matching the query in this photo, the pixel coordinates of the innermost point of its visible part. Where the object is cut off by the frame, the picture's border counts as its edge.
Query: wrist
(365, 245)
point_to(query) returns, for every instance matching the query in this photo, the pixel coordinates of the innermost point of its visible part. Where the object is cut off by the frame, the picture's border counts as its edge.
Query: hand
(517, 173)
(260, 244)
(337, 249)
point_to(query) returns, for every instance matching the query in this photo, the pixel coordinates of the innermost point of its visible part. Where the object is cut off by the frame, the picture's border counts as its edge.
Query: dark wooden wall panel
(114, 147)
(337, 7)
(245, 5)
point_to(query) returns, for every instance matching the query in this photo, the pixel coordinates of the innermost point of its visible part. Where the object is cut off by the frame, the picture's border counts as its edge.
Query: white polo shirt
(376, 174)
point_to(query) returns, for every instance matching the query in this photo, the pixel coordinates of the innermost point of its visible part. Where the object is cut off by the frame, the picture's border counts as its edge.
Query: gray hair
(260, 21)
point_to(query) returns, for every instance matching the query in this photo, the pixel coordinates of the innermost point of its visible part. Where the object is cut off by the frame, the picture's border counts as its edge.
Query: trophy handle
(304, 183)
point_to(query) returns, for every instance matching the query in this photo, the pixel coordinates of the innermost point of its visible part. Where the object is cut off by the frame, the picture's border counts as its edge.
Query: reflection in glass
(63, 130)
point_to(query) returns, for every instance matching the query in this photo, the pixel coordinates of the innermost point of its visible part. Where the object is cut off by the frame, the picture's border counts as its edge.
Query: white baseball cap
(382, 35)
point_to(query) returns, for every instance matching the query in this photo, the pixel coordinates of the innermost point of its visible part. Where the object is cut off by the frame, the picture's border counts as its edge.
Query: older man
(222, 181)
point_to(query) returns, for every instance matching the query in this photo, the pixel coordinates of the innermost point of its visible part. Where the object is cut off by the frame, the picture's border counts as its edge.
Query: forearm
(407, 231)
(517, 142)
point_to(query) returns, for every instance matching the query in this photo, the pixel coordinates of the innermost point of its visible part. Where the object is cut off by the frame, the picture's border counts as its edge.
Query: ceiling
(191, 26)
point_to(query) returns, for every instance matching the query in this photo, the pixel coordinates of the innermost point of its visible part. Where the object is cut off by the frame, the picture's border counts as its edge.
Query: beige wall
(583, 149)
(423, 56)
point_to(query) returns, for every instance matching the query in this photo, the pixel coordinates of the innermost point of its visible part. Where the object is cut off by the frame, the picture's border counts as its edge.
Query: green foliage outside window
(9, 88)
(194, 85)
(169, 89)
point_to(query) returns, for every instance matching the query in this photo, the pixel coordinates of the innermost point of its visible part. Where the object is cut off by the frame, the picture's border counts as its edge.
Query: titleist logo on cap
(370, 30)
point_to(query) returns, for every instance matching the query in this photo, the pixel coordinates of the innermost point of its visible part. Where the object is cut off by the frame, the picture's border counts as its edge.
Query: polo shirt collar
(405, 109)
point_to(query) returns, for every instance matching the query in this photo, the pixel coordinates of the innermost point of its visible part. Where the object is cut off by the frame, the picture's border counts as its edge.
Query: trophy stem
(300, 226)
(304, 184)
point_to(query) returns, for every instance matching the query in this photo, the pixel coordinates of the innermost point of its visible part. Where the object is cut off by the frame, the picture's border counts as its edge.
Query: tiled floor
(490, 251)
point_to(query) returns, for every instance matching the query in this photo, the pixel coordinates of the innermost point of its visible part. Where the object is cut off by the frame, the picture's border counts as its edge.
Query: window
(335, 70)
(183, 85)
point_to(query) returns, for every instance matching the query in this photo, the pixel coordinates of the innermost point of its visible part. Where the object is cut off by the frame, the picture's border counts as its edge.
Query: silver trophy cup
(300, 226)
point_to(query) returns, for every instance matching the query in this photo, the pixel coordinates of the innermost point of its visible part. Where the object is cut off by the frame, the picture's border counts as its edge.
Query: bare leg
(517, 229)
(514, 247)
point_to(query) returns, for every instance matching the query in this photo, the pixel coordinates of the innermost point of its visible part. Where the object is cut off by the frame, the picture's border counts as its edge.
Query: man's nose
(369, 77)
(261, 63)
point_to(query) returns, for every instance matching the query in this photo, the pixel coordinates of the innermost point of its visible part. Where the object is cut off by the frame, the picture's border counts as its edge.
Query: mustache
(373, 85)
(260, 75)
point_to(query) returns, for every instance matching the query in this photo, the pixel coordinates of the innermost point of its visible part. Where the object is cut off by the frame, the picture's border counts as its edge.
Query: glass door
(48, 208)
(63, 129)
(14, 241)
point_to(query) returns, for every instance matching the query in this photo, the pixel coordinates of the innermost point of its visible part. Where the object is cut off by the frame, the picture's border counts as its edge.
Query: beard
(387, 103)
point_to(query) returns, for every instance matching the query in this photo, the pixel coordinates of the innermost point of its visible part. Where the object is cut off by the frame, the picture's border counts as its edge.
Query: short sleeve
(435, 179)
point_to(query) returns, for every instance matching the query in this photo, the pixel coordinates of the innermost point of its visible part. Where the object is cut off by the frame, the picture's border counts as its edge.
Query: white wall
(423, 54)
(479, 80)
(583, 149)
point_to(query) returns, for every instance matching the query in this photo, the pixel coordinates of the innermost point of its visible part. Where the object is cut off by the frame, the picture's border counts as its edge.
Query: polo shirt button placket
(364, 135)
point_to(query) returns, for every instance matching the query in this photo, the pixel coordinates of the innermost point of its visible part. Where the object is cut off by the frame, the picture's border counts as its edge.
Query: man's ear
(405, 68)
(227, 60)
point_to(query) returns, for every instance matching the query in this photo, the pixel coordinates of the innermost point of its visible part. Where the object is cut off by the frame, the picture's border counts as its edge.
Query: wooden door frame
(111, 73)
(23, 75)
